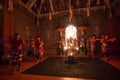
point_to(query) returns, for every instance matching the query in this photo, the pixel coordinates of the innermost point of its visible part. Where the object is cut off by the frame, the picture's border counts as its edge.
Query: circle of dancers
(91, 46)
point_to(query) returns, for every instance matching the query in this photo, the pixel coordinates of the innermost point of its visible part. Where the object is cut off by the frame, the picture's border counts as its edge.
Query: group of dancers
(17, 44)
(102, 45)
(91, 45)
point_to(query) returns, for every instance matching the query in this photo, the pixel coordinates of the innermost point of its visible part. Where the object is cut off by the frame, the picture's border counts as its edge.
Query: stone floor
(5, 70)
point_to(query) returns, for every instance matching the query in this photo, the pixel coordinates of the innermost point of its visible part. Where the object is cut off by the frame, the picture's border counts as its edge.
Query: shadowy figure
(17, 52)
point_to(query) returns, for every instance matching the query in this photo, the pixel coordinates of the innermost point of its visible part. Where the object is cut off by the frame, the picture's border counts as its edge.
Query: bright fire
(70, 37)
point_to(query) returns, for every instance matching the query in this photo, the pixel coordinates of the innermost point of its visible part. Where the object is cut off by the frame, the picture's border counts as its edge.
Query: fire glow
(71, 37)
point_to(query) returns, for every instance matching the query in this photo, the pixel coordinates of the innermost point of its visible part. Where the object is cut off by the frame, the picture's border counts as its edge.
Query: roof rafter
(30, 3)
(40, 7)
(19, 1)
(51, 6)
(64, 11)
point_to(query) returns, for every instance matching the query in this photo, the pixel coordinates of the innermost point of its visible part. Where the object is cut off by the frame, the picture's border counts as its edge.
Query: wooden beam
(30, 3)
(79, 9)
(51, 6)
(22, 4)
(40, 7)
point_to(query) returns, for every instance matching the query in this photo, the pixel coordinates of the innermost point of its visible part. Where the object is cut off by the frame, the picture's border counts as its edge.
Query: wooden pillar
(8, 26)
(1, 33)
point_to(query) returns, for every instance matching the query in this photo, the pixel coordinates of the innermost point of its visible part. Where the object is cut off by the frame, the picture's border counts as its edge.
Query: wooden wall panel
(1, 32)
(25, 25)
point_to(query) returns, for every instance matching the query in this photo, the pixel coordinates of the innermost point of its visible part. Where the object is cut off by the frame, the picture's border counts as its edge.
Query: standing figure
(42, 49)
(106, 46)
(17, 52)
(32, 47)
(62, 44)
(92, 46)
(88, 45)
(58, 47)
(39, 47)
